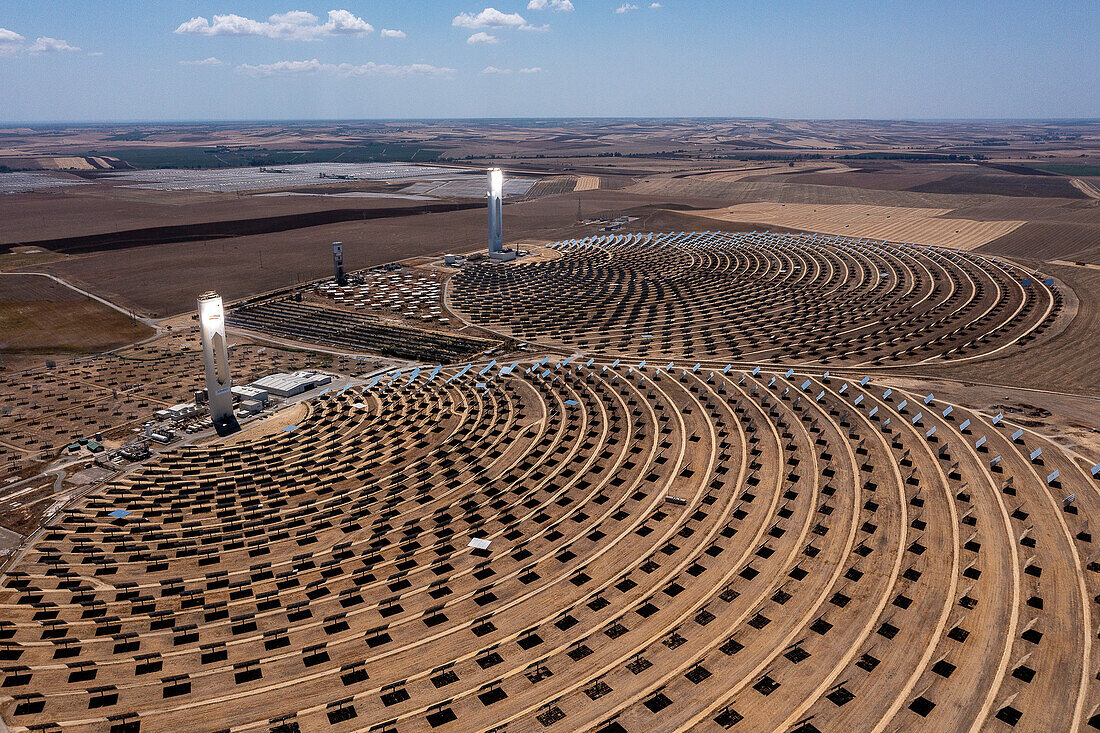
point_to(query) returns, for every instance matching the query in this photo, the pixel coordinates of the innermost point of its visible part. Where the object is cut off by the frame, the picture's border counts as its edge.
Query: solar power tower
(338, 263)
(496, 224)
(215, 356)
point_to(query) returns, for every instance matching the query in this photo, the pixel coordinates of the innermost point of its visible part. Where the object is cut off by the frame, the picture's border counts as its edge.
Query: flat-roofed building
(289, 385)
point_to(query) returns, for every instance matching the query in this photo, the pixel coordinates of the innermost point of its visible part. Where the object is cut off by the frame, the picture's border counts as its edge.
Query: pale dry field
(750, 188)
(750, 170)
(895, 224)
(587, 183)
(1086, 188)
(67, 163)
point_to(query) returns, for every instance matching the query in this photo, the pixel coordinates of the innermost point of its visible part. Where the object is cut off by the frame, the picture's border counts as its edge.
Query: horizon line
(345, 120)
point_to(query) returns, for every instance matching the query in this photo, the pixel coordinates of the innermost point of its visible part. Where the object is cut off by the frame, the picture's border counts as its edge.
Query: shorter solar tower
(338, 263)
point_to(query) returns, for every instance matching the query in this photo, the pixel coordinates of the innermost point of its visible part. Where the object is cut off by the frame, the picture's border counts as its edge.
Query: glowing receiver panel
(215, 356)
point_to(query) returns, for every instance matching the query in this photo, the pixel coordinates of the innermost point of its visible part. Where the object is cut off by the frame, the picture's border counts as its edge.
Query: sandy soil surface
(267, 426)
(165, 279)
(1066, 363)
(39, 316)
(1071, 421)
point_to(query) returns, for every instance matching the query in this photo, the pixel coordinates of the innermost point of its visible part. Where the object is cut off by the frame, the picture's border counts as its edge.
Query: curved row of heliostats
(574, 544)
(762, 297)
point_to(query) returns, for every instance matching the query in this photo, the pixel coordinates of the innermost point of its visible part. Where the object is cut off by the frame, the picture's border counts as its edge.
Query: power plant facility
(391, 432)
(747, 424)
(215, 356)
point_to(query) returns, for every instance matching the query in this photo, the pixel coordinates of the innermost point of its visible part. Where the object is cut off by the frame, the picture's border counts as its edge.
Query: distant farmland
(1071, 169)
(891, 223)
(38, 315)
(208, 157)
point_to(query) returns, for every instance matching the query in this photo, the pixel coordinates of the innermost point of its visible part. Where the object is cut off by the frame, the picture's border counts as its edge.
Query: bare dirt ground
(39, 316)
(267, 426)
(1050, 241)
(21, 259)
(1065, 363)
(98, 209)
(165, 279)
(1072, 421)
(874, 175)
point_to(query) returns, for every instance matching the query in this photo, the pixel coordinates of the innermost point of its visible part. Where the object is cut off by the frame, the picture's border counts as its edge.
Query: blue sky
(91, 60)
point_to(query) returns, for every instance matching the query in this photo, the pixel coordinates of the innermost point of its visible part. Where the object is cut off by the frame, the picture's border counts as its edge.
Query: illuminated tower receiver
(215, 356)
(338, 262)
(496, 225)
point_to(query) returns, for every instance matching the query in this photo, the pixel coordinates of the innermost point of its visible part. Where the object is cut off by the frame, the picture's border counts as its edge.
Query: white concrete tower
(215, 356)
(496, 224)
(338, 262)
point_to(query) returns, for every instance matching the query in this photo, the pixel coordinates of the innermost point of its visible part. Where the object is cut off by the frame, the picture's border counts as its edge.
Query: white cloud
(45, 44)
(482, 37)
(294, 17)
(313, 66)
(95, 53)
(495, 70)
(654, 6)
(211, 61)
(489, 18)
(342, 22)
(9, 39)
(281, 68)
(296, 25)
(531, 70)
(12, 43)
(390, 33)
(562, 5)
(625, 8)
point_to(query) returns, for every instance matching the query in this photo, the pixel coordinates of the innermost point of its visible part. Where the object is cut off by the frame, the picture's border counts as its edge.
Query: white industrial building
(288, 385)
(181, 411)
(250, 407)
(250, 392)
